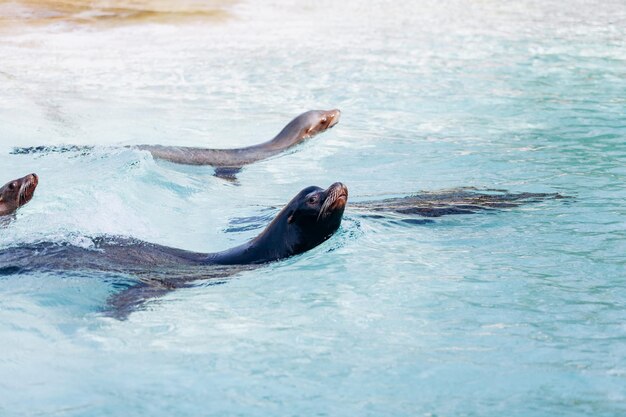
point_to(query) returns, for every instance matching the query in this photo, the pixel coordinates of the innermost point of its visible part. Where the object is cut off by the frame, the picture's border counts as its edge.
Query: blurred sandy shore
(15, 13)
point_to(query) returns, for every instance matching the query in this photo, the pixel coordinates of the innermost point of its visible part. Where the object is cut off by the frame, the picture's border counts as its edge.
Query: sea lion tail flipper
(44, 150)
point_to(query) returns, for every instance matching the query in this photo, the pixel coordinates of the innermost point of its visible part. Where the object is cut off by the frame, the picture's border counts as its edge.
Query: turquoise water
(519, 312)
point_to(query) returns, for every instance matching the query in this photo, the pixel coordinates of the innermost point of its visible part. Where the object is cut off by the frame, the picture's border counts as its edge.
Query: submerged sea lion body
(455, 201)
(16, 193)
(309, 219)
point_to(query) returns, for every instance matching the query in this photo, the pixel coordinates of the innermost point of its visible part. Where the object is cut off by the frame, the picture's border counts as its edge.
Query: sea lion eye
(313, 199)
(12, 186)
(323, 120)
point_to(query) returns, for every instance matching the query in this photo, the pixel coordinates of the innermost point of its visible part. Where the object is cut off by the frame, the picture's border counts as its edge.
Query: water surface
(518, 312)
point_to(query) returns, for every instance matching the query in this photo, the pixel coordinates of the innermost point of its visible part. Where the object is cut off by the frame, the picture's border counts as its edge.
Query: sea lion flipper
(121, 304)
(227, 173)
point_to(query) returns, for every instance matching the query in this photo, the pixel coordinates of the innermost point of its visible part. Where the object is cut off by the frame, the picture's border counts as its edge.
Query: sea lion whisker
(328, 202)
(21, 195)
(325, 206)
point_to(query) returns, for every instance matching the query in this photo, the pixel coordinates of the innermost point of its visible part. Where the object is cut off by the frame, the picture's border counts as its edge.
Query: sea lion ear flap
(292, 217)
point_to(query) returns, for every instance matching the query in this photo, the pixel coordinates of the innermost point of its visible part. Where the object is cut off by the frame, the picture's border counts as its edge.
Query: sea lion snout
(336, 199)
(30, 184)
(338, 193)
(333, 117)
(320, 120)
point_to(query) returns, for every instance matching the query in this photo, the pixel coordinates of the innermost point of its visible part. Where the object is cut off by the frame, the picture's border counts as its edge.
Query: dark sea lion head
(306, 126)
(308, 220)
(16, 193)
(313, 216)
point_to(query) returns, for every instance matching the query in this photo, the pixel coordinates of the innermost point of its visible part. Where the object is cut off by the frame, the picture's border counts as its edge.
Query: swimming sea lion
(424, 205)
(299, 129)
(16, 193)
(309, 219)
(227, 161)
(455, 201)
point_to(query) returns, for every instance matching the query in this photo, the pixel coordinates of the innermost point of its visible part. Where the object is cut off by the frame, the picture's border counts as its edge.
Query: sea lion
(455, 201)
(16, 193)
(309, 219)
(424, 205)
(299, 129)
(227, 162)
